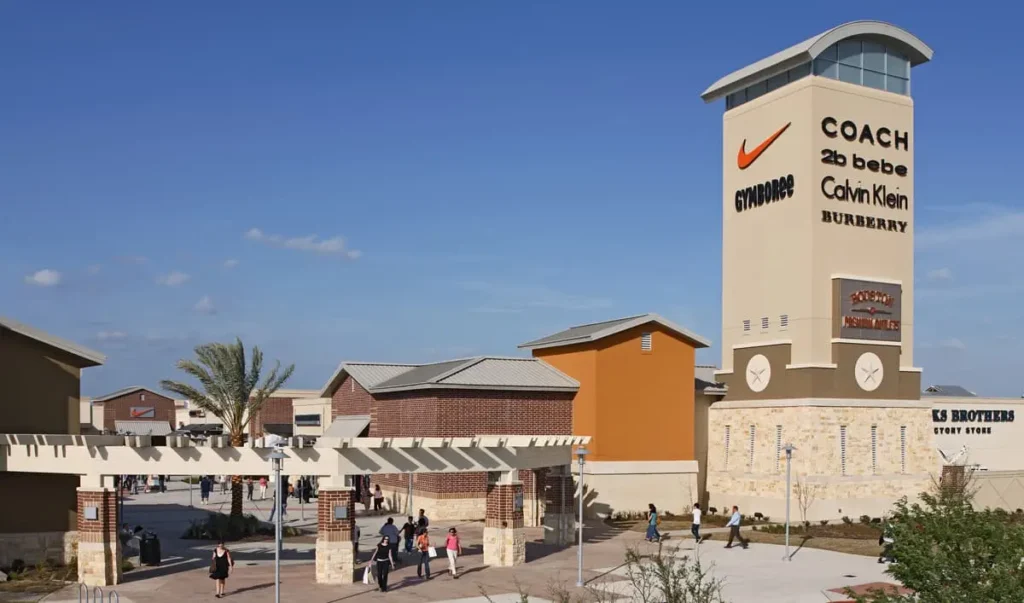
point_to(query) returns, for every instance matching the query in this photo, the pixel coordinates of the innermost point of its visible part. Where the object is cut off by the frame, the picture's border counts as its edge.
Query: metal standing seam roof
(347, 426)
(598, 330)
(124, 392)
(483, 372)
(92, 357)
(954, 391)
(917, 51)
(157, 428)
(367, 374)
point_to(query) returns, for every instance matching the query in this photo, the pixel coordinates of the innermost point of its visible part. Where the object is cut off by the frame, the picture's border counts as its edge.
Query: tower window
(778, 447)
(764, 323)
(874, 449)
(783, 321)
(750, 460)
(645, 342)
(728, 430)
(903, 448)
(746, 326)
(842, 449)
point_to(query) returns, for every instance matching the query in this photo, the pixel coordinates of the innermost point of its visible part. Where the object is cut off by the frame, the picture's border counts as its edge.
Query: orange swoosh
(744, 159)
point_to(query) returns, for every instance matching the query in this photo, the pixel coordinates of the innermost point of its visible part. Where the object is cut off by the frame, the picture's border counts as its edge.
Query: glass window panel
(756, 90)
(831, 53)
(873, 79)
(849, 74)
(778, 81)
(849, 53)
(799, 71)
(896, 64)
(736, 99)
(826, 69)
(896, 84)
(874, 57)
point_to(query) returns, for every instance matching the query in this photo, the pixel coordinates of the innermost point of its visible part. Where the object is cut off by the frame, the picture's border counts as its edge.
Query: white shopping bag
(367, 575)
(431, 552)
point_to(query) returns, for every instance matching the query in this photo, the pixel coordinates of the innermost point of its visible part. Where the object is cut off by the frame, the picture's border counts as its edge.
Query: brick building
(467, 397)
(138, 411)
(277, 414)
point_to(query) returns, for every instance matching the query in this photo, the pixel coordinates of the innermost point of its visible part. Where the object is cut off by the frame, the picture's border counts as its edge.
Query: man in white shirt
(695, 526)
(734, 529)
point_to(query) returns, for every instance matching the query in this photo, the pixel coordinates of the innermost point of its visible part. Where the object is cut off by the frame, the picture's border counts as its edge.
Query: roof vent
(645, 342)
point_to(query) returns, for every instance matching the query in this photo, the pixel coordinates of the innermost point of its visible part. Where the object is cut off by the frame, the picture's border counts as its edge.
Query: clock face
(869, 371)
(759, 373)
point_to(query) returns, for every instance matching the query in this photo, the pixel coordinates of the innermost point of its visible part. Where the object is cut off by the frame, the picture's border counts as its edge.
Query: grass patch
(853, 546)
(217, 526)
(42, 578)
(683, 522)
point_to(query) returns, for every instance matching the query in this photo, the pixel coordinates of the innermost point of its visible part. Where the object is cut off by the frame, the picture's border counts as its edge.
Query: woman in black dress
(220, 567)
(384, 561)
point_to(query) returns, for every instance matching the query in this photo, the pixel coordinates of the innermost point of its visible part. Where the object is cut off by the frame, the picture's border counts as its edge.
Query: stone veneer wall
(504, 540)
(99, 548)
(817, 472)
(457, 496)
(35, 547)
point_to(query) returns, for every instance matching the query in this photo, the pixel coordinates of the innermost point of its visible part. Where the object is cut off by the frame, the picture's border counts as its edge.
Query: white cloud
(205, 305)
(334, 245)
(989, 227)
(953, 344)
(229, 264)
(940, 274)
(111, 335)
(44, 278)
(173, 279)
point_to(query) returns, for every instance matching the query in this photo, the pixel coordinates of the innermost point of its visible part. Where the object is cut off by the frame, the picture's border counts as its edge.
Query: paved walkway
(754, 574)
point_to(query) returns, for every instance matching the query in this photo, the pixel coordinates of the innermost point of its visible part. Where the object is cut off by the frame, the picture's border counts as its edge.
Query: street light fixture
(789, 448)
(276, 461)
(581, 453)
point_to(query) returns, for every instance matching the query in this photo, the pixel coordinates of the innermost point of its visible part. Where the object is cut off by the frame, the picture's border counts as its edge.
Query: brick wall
(120, 408)
(501, 511)
(350, 399)
(103, 529)
(329, 528)
(274, 410)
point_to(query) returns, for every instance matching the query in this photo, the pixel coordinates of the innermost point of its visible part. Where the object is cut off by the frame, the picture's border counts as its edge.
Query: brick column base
(335, 548)
(99, 548)
(504, 537)
(559, 512)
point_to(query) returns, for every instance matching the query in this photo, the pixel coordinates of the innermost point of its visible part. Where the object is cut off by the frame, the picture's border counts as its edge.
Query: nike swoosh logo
(744, 159)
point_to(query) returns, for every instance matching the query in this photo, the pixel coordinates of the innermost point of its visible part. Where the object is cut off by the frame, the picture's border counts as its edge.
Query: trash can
(149, 549)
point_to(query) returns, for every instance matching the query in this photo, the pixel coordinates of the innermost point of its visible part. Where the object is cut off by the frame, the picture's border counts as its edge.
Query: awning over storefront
(155, 428)
(348, 427)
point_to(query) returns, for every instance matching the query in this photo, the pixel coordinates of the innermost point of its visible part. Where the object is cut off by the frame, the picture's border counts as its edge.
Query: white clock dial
(868, 371)
(759, 373)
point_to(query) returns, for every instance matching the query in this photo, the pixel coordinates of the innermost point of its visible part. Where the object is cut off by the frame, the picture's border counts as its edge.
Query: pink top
(452, 543)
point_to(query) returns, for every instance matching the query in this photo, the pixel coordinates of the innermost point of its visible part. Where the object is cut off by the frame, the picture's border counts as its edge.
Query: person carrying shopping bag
(384, 561)
(426, 552)
(453, 546)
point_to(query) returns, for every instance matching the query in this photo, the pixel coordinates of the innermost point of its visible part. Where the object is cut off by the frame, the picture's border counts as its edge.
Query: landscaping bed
(40, 579)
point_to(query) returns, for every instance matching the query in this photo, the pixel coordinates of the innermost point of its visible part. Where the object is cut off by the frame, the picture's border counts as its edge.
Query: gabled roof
(917, 51)
(482, 372)
(91, 358)
(157, 428)
(953, 391)
(592, 332)
(124, 392)
(367, 374)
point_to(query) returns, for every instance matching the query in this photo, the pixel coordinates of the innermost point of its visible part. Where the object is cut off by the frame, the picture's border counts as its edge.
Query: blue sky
(417, 181)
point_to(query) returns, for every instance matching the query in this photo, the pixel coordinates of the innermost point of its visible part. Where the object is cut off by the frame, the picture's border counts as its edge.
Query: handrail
(81, 587)
(96, 594)
(113, 597)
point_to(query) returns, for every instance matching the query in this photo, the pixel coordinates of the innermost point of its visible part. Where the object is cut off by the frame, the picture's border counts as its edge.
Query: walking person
(378, 499)
(220, 567)
(384, 561)
(204, 489)
(652, 524)
(695, 526)
(249, 487)
(390, 531)
(409, 533)
(453, 547)
(263, 487)
(224, 484)
(422, 521)
(423, 546)
(734, 529)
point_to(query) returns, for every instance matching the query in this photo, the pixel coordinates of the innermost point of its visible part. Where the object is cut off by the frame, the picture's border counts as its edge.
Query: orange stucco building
(636, 401)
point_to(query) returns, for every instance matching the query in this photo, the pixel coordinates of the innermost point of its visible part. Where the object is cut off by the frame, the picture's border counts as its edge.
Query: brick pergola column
(504, 537)
(559, 512)
(99, 548)
(335, 548)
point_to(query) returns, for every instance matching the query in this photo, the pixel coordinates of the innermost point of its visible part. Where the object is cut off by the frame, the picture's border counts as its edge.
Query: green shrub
(847, 520)
(865, 519)
(224, 527)
(824, 522)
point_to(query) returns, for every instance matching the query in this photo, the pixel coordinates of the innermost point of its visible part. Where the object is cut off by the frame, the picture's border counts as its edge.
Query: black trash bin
(149, 549)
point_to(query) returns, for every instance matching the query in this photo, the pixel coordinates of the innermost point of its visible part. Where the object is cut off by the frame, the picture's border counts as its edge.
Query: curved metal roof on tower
(917, 51)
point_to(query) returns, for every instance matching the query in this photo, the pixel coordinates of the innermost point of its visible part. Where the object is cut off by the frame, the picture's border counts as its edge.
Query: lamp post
(276, 461)
(789, 448)
(581, 452)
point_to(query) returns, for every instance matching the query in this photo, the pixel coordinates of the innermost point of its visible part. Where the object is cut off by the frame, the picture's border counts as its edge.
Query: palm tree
(230, 390)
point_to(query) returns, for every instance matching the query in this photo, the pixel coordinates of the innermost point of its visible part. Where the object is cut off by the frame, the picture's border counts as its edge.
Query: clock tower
(818, 277)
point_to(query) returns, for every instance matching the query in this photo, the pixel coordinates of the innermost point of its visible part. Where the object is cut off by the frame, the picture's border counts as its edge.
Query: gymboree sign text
(868, 310)
(876, 157)
(941, 415)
